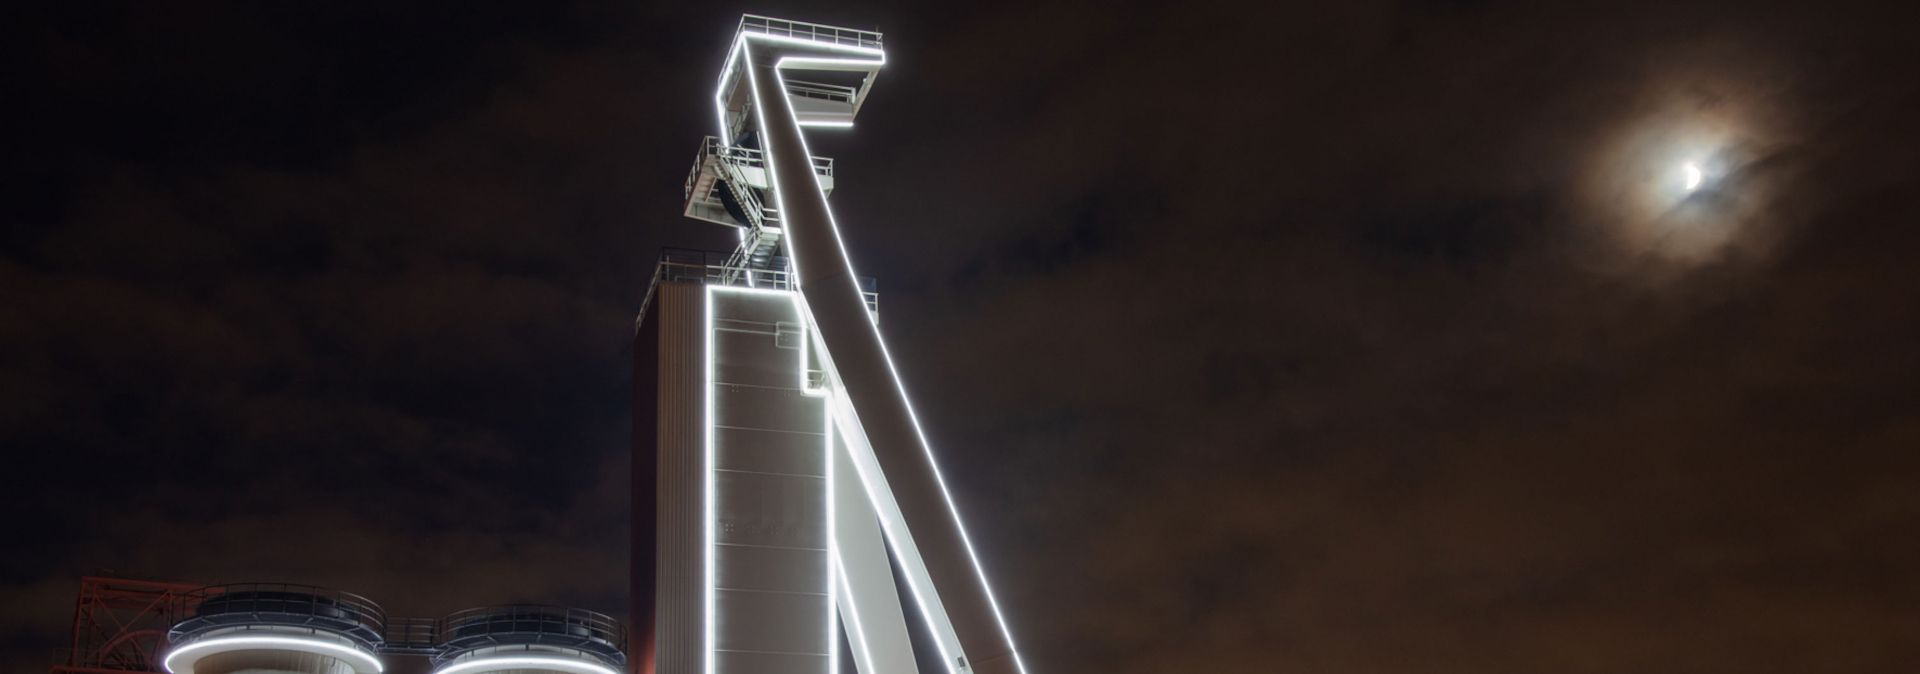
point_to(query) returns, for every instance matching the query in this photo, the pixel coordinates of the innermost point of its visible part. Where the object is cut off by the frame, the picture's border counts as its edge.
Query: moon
(1690, 173)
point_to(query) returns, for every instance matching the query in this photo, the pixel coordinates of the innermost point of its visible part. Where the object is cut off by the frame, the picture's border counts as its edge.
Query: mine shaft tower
(780, 472)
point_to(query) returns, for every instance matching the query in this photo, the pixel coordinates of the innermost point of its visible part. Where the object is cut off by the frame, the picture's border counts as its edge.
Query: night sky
(1349, 337)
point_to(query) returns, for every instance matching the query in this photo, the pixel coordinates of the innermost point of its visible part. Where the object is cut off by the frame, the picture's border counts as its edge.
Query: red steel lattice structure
(120, 625)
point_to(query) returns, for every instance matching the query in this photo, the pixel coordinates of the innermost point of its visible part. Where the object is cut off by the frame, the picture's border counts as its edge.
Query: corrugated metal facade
(679, 451)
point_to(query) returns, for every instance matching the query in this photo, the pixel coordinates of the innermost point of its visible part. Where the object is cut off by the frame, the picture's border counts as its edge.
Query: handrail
(755, 23)
(589, 631)
(727, 161)
(412, 635)
(749, 202)
(681, 266)
(205, 609)
(755, 158)
(824, 92)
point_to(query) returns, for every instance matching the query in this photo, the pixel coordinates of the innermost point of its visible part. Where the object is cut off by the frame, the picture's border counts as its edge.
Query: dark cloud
(1324, 338)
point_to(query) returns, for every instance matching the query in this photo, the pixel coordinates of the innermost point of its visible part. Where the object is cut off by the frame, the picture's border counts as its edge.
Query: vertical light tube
(708, 479)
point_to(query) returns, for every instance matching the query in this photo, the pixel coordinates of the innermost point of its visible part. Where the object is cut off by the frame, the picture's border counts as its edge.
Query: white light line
(571, 665)
(887, 357)
(815, 44)
(895, 541)
(720, 90)
(770, 292)
(773, 174)
(707, 471)
(880, 60)
(973, 557)
(807, 331)
(833, 561)
(912, 417)
(866, 481)
(363, 660)
(853, 614)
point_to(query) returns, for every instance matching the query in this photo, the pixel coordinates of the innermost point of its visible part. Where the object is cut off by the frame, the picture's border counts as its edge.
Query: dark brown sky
(1365, 337)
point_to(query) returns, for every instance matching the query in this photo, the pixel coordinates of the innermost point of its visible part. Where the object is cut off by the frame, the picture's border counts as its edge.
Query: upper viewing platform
(811, 32)
(809, 75)
(826, 72)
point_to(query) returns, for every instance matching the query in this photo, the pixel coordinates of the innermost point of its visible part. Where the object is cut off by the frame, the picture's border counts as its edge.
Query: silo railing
(593, 634)
(268, 605)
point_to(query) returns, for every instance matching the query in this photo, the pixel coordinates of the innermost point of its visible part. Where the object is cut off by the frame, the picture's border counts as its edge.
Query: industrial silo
(274, 628)
(529, 640)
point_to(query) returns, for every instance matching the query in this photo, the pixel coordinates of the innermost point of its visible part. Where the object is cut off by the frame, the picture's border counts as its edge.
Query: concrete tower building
(780, 474)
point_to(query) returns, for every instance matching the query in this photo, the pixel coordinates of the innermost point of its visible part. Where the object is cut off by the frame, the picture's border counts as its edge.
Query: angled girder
(880, 434)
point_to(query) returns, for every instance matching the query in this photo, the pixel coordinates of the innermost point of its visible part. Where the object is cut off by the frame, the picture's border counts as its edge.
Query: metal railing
(590, 632)
(754, 23)
(713, 268)
(747, 157)
(412, 635)
(727, 161)
(758, 215)
(824, 92)
(265, 605)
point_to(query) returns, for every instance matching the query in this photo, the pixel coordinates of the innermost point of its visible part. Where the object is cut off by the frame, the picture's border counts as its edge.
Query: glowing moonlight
(1690, 176)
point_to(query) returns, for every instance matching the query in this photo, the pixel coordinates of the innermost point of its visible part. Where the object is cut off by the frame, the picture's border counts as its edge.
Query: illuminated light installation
(182, 660)
(789, 469)
(517, 639)
(278, 627)
(524, 663)
(257, 628)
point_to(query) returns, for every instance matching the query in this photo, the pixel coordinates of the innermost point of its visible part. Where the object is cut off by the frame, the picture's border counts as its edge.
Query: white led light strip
(740, 54)
(832, 625)
(814, 44)
(519, 662)
(853, 612)
(914, 418)
(709, 483)
(193, 652)
(833, 559)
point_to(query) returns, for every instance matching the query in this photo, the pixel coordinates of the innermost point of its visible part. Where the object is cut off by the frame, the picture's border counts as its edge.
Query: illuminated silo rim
(274, 618)
(182, 659)
(521, 637)
(481, 665)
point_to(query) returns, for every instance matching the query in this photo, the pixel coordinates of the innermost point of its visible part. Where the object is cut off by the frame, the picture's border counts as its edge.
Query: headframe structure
(888, 504)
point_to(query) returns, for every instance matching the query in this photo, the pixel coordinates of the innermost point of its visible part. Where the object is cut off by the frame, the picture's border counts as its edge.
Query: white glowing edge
(720, 89)
(815, 44)
(773, 174)
(740, 48)
(879, 59)
(895, 539)
(853, 613)
(361, 660)
(708, 486)
(892, 370)
(832, 637)
(791, 61)
(773, 181)
(806, 349)
(833, 559)
(527, 662)
(913, 417)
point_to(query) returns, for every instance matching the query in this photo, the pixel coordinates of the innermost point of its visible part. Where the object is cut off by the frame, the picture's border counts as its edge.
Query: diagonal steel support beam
(897, 466)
